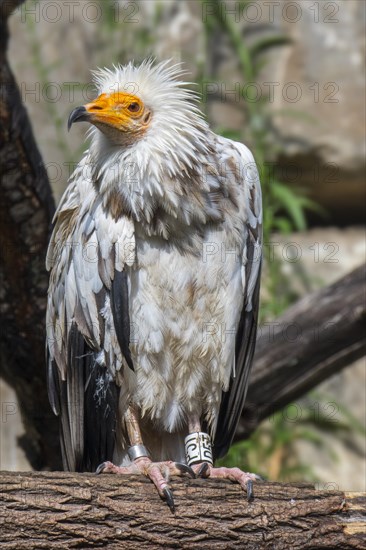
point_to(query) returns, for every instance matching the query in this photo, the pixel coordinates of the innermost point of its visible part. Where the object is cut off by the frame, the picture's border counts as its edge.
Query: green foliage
(271, 450)
(292, 203)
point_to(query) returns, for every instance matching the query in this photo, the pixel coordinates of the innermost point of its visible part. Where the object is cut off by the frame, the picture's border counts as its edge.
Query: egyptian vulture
(154, 269)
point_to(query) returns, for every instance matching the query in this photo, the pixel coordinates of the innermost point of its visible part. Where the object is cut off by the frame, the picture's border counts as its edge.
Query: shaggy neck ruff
(162, 168)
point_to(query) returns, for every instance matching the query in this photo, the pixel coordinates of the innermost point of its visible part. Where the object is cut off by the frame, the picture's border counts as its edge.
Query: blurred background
(287, 79)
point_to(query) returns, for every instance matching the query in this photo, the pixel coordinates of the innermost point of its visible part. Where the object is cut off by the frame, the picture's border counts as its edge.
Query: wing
(233, 400)
(87, 321)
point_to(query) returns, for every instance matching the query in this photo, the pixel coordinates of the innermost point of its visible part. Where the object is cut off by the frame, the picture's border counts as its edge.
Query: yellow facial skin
(122, 111)
(121, 117)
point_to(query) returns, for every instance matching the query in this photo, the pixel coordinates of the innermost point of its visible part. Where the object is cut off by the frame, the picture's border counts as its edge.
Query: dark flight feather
(87, 405)
(232, 402)
(121, 316)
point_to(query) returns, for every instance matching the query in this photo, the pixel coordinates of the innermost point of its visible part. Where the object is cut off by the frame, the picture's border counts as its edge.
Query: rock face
(315, 87)
(325, 63)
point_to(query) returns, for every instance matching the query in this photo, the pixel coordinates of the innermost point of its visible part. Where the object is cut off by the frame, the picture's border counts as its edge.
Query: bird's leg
(199, 457)
(157, 472)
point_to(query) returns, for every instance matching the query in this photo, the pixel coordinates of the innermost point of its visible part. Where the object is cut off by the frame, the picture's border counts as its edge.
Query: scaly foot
(245, 479)
(158, 472)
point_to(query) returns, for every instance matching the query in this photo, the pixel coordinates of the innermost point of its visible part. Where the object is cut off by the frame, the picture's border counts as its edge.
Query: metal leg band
(137, 451)
(198, 448)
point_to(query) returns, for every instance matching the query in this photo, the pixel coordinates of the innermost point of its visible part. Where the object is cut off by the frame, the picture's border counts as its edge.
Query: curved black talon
(184, 469)
(250, 494)
(100, 468)
(203, 469)
(169, 499)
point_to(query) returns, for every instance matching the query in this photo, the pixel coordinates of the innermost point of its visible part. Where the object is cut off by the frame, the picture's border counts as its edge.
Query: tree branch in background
(26, 211)
(84, 511)
(314, 339)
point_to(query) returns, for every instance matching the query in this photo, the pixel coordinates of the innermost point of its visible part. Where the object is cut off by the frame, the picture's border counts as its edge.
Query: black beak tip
(77, 115)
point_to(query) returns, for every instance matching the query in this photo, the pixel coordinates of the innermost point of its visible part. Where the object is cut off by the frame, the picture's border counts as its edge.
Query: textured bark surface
(327, 325)
(314, 339)
(26, 210)
(61, 510)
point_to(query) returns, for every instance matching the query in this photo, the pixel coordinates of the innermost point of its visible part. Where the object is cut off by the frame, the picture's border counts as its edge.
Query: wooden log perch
(67, 510)
(328, 324)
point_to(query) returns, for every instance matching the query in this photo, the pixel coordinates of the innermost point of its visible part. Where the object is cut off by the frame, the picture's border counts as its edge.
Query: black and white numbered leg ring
(198, 448)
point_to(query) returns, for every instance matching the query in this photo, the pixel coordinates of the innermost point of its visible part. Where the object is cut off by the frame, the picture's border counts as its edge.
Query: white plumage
(155, 264)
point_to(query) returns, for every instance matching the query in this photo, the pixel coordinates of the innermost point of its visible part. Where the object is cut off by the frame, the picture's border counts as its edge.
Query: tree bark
(64, 510)
(26, 210)
(314, 339)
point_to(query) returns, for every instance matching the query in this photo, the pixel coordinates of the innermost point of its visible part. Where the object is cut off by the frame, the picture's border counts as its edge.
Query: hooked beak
(116, 114)
(77, 115)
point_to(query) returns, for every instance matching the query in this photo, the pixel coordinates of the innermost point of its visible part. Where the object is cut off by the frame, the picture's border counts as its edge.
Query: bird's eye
(133, 107)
